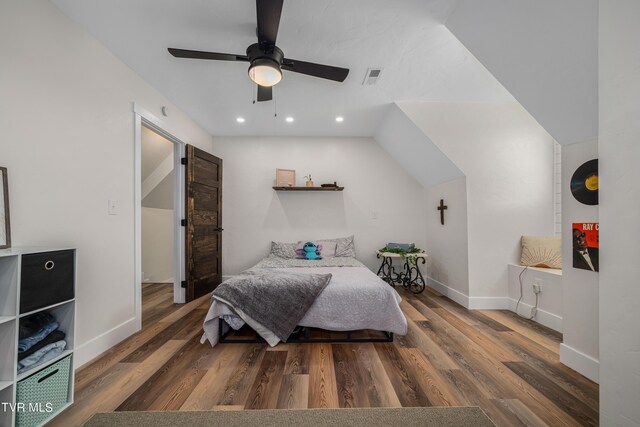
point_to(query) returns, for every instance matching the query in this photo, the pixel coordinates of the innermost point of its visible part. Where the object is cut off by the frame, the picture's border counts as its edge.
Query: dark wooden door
(203, 222)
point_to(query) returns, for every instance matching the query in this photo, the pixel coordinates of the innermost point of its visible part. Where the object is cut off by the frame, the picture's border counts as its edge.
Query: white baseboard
(98, 345)
(472, 303)
(580, 362)
(226, 277)
(488, 303)
(543, 317)
(450, 293)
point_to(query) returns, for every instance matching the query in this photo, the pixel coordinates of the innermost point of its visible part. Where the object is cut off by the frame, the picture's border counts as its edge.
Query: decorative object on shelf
(584, 183)
(442, 208)
(410, 277)
(309, 180)
(285, 178)
(308, 188)
(334, 185)
(5, 229)
(586, 245)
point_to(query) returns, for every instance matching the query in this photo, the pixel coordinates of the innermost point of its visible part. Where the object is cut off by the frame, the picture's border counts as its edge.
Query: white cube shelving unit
(10, 316)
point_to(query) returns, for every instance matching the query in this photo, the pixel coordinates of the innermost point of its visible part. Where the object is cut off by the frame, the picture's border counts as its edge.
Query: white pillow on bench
(541, 251)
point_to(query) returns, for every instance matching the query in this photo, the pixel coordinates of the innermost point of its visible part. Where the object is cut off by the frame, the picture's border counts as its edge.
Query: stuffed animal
(311, 251)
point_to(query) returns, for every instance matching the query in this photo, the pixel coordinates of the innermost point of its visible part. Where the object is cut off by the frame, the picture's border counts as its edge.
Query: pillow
(283, 250)
(541, 251)
(327, 248)
(344, 246)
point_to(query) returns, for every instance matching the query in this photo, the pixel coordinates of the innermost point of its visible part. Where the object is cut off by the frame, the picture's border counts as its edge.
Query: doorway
(158, 192)
(159, 208)
(197, 216)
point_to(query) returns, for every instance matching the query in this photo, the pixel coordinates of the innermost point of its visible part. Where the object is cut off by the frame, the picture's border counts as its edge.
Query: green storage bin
(46, 391)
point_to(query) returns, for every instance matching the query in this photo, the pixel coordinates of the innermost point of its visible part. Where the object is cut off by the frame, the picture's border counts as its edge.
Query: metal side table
(410, 277)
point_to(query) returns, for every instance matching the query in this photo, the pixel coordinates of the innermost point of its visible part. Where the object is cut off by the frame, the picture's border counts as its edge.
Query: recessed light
(339, 119)
(289, 119)
(240, 119)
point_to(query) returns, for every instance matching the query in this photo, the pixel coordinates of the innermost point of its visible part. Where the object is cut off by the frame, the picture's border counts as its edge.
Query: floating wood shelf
(308, 188)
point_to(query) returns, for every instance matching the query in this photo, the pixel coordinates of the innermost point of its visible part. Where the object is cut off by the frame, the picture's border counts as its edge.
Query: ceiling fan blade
(268, 14)
(317, 70)
(265, 93)
(197, 54)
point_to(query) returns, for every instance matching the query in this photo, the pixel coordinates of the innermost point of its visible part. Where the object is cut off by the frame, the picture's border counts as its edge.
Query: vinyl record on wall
(584, 183)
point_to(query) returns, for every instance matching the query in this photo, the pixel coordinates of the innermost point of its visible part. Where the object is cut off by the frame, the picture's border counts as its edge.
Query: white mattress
(355, 299)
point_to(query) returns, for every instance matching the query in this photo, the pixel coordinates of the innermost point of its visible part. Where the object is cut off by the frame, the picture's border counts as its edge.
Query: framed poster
(5, 227)
(285, 178)
(586, 245)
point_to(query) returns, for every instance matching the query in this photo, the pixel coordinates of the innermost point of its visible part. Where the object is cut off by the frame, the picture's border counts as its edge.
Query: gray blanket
(272, 300)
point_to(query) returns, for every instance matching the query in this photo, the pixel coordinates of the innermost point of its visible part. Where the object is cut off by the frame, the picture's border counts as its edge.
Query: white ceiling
(422, 60)
(545, 52)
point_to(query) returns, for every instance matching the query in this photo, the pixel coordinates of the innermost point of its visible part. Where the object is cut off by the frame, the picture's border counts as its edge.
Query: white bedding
(355, 299)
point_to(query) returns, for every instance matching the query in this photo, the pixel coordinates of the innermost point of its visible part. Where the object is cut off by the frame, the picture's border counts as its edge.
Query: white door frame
(143, 118)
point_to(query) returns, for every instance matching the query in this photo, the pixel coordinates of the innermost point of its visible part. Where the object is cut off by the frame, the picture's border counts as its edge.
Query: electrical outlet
(537, 286)
(112, 207)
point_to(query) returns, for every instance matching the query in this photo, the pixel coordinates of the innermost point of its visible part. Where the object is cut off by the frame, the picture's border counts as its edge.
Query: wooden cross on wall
(441, 208)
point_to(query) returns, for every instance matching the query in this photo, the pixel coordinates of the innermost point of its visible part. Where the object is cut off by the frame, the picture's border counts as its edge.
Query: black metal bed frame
(301, 335)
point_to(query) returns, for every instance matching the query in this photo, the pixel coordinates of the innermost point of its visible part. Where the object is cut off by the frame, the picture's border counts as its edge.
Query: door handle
(219, 229)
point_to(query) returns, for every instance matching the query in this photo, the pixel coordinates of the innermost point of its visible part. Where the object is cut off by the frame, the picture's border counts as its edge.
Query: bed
(354, 299)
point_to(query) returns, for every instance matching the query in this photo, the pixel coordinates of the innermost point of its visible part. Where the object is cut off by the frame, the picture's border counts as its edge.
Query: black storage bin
(47, 279)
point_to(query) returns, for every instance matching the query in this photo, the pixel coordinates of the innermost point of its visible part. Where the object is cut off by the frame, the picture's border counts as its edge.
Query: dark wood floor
(157, 302)
(451, 357)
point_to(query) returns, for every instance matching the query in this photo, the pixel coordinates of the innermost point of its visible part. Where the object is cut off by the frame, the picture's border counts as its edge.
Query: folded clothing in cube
(54, 336)
(32, 324)
(46, 353)
(28, 342)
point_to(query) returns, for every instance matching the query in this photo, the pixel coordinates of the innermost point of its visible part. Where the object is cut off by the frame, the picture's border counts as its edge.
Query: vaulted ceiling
(541, 54)
(422, 60)
(545, 52)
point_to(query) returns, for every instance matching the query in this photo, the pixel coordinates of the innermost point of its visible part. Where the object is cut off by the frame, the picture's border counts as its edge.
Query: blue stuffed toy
(311, 251)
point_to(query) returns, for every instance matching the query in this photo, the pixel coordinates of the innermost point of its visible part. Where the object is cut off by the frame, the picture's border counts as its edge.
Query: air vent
(372, 76)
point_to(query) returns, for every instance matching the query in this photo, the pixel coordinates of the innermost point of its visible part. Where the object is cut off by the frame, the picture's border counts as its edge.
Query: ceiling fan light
(265, 72)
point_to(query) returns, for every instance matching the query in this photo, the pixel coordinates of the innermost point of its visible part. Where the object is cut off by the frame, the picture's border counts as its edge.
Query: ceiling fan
(266, 60)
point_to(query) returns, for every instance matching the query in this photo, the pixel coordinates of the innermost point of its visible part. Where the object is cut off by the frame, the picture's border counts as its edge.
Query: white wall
(447, 245)
(157, 245)
(254, 214)
(544, 52)
(507, 158)
(68, 143)
(579, 349)
(557, 189)
(410, 147)
(619, 154)
(549, 312)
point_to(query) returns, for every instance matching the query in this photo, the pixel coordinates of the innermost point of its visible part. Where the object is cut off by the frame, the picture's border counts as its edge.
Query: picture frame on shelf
(5, 225)
(285, 178)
